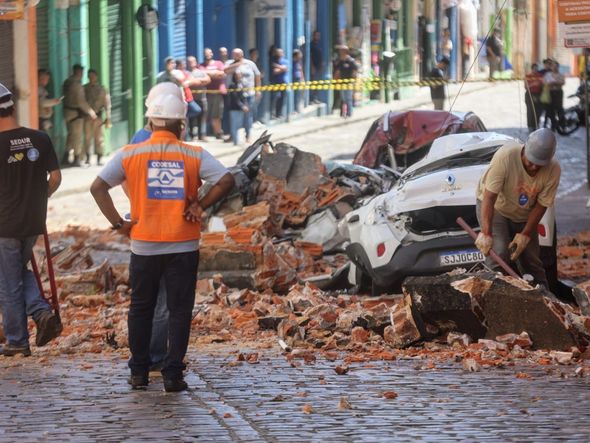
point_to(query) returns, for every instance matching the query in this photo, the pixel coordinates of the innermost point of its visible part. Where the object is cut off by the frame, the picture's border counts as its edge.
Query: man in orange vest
(163, 176)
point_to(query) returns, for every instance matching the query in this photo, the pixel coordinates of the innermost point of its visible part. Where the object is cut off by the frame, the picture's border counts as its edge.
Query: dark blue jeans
(19, 293)
(159, 340)
(179, 272)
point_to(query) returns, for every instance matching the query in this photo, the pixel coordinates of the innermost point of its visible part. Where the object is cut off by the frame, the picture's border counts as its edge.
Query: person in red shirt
(532, 97)
(215, 71)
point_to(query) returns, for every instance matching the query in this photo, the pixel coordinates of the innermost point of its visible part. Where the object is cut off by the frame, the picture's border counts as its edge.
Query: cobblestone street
(87, 399)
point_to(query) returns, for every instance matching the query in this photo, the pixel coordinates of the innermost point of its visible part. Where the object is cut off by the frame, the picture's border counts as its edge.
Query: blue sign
(165, 180)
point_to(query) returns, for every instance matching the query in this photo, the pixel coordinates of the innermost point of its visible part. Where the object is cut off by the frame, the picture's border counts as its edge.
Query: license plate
(461, 257)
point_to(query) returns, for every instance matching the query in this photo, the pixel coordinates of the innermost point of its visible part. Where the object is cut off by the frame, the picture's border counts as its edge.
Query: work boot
(175, 384)
(138, 381)
(48, 327)
(11, 350)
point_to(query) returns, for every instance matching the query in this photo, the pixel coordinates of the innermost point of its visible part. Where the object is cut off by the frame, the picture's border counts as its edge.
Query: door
(179, 33)
(6, 54)
(119, 94)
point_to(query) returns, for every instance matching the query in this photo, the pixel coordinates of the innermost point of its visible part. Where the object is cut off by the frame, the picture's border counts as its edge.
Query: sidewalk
(78, 180)
(573, 211)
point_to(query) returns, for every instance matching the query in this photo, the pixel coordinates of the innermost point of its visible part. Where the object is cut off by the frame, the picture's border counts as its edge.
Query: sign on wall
(576, 35)
(270, 8)
(570, 11)
(12, 9)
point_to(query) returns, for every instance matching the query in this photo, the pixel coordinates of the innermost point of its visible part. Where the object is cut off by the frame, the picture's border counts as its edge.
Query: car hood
(448, 176)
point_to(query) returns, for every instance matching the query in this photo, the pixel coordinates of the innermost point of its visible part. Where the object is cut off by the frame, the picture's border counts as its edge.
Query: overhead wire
(475, 59)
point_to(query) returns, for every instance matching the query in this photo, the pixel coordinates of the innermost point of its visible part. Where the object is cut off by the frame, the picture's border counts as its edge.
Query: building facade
(391, 39)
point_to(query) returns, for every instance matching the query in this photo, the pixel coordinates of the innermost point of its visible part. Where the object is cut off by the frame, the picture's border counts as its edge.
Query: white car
(412, 229)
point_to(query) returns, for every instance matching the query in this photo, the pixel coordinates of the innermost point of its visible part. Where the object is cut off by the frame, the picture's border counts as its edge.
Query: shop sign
(270, 8)
(576, 35)
(570, 11)
(12, 9)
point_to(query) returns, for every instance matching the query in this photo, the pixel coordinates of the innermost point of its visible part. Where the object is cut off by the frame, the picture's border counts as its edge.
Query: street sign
(270, 8)
(576, 35)
(569, 11)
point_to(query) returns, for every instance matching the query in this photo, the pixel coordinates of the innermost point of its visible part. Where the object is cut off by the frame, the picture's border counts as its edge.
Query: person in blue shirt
(298, 77)
(280, 69)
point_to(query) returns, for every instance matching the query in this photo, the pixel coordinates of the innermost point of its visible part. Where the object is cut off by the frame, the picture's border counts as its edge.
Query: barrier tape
(357, 84)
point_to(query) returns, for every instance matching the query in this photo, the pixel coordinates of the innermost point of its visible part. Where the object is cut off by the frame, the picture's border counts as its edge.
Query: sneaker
(228, 140)
(12, 350)
(203, 139)
(48, 327)
(138, 381)
(175, 385)
(219, 136)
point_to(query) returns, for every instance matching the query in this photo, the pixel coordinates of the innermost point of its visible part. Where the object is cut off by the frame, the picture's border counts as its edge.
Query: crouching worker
(163, 176)
(29, 174)
(512, 197)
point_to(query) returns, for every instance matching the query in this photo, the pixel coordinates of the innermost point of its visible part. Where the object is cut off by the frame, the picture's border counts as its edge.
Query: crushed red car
(400, 139)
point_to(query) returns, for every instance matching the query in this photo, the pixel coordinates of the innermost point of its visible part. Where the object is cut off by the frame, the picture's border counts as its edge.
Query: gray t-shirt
(211, 171)
(249, 71)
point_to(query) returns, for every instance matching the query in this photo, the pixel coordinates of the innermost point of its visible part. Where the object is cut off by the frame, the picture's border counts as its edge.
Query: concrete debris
(489, 306)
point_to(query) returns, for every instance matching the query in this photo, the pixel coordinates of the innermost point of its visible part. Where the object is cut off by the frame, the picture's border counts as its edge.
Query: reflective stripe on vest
(162, 175)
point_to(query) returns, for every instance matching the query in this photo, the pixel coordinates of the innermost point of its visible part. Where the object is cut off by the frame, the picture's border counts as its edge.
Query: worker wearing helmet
(163, 176)
(512, 197)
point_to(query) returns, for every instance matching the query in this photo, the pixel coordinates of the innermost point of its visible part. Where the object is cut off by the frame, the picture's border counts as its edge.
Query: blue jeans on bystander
(19, 294)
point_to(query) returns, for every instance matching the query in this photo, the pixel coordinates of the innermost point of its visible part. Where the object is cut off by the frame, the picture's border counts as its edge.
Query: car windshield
(464, 159)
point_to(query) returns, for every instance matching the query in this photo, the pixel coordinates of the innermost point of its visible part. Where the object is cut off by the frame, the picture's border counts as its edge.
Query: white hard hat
(167, 107)
(540, 147)
(162, 89)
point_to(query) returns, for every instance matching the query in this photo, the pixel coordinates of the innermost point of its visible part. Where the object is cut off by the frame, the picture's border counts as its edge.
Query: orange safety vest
(162, 174)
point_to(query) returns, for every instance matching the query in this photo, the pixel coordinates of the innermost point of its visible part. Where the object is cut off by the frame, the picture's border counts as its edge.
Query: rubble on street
(270, 274)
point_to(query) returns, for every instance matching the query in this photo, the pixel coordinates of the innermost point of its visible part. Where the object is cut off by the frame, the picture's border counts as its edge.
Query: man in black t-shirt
(346, 68)
(437, 91)
(494, 49)
(27, 158)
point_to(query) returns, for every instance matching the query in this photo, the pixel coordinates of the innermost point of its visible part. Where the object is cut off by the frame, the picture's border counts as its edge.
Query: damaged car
(400, 139)
(412, 230)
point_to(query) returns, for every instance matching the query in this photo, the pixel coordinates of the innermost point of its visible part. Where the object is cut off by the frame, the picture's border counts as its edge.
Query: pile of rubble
(270, 249)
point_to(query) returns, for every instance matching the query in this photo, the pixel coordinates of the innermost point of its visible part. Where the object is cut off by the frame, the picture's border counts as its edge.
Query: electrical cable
(475, 59)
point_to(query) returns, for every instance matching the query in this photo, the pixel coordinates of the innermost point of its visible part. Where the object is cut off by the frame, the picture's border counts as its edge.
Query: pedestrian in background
(346, 69)
(187, 81)
(215, 98)
(198, 86)
(238, 106)
(298, 77)
(99, 100)
(249, 80)
(76, 109)
(532, 97)
(317, 64)
(171, 253)
(494, 51)
(29, 175)
(554, 80)
(255, 57)
(46, 104)
(446, 45)
(223, 54)
(438, 92)
(280, 68)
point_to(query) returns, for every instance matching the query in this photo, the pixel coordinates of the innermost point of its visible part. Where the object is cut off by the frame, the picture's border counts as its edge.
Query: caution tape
(358, 84)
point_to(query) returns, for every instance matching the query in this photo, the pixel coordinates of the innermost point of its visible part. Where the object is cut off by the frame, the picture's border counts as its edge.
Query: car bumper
(420, 258)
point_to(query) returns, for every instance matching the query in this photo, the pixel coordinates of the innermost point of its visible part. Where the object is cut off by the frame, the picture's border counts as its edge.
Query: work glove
(518, 245)
(484, 243)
